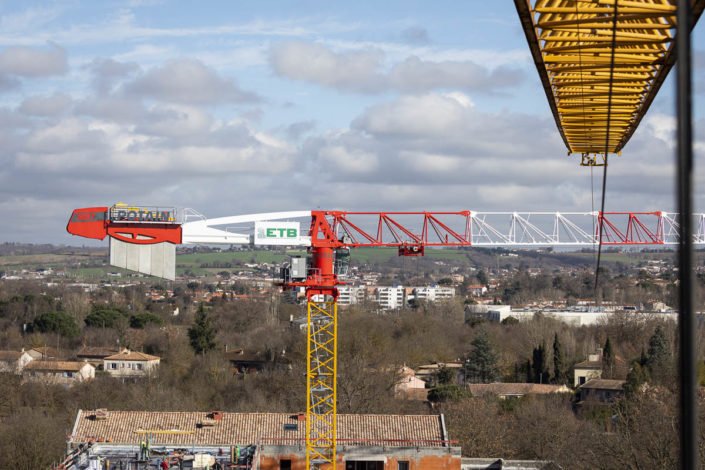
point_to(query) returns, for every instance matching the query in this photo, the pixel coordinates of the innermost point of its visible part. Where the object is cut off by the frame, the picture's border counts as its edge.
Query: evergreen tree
(56, 322)
(540, 364)
(607, 360)
(658, 351)
(638, 376)
(481, 365)
(529, 376)
(444, 376)
(202, 332)
(558, 365)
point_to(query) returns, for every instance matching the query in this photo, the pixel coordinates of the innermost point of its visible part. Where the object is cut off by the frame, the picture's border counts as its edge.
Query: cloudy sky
(239, 107)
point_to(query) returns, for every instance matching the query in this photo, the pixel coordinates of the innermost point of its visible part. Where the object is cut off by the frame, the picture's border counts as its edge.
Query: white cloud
(45, 105)
(416, 116)
(33, 62)
(353, 71)
(339, 158)
(416, 75)
(364, 70)
(189, 81)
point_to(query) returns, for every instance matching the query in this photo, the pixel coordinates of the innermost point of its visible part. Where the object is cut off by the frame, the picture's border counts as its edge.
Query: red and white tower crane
(143, 239)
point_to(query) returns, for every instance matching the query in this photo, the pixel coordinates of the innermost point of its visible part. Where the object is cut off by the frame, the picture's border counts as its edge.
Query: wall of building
(419, 458)
(87, 372)
(129, 368)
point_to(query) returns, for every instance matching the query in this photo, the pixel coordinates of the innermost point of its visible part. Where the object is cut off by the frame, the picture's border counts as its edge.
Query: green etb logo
(280, 232)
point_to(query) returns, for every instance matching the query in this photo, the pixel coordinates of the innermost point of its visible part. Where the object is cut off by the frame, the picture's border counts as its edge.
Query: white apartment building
(349, 295)
(390, 298)
(433, 293)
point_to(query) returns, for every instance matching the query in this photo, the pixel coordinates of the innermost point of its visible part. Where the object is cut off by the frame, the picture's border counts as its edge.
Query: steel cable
(607, 145)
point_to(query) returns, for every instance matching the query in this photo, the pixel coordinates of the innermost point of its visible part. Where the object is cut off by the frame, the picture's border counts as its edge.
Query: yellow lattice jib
(600, 75)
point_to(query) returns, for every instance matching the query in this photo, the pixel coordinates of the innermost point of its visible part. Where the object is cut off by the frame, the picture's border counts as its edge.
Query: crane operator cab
(342, 262)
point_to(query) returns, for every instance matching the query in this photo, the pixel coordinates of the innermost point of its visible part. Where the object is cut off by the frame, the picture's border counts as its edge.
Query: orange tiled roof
(515, 388)
(251, 428)
(589, 365)
(604, 384)
(56, 365)
(132, 356)
(96, 352)
(9, 355)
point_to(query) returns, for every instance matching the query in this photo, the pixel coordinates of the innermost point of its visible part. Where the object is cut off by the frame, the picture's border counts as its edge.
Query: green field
(378, 255)
(94, 265)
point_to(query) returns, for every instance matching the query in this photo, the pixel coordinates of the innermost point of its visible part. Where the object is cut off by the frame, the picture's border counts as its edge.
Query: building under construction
(105, 439)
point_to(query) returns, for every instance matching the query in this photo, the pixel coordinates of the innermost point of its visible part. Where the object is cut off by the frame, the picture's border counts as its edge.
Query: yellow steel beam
(601, 63)
(321, 384)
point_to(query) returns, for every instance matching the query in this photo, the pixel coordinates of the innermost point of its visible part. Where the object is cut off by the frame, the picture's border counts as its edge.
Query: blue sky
(238, 107)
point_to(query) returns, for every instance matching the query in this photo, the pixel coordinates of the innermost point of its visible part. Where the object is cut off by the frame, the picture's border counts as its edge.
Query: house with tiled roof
(96, 355)
(587, 370)
(266, 441)
(59, 372)
(130, 364)
(601, 390)
(45, 353)
(407, 382)
(14, 361)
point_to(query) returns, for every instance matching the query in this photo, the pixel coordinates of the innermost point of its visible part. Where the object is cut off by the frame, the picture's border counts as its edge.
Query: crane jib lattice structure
(143, 239)
(601, 64)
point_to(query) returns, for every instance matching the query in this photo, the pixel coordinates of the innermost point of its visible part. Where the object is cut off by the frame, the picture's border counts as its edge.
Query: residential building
(261, 441)
(14, 361)
(96, 355)
(130, 364)
(59, 372)
(476, 291)
(428, 372)
(45, 353)
(249, 361)
(601, 390)
(433, 293)
(588, 370)
(514, 390)
(349, 295)
(390, 298)
(408, 381)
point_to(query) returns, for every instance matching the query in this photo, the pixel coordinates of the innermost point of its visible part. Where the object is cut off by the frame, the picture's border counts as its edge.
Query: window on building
(113, 365)
(403, 465)
(581, 379)
(364, 465)
(138, 366)
(285, 464)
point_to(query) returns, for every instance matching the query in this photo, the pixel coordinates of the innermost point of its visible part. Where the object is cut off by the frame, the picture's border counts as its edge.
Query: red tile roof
(589, 365)
(132, 356)
(515, 389)
(604, 384)
(9, 355)
(251, 428)
(55, 366)
(96, 352)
